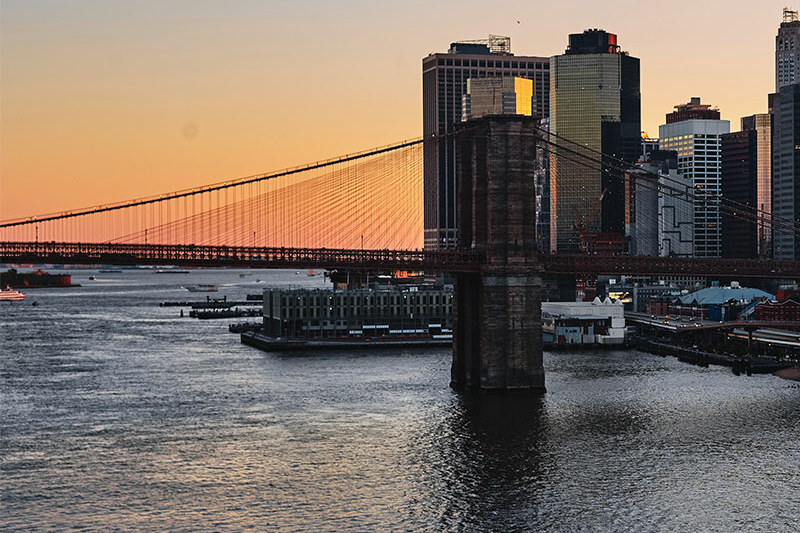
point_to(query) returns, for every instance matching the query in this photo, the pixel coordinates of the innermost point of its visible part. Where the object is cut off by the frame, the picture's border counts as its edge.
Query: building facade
(698, 143)
(305, 314)
(787, 50)
(582, 323)
(786, 137)
(444, 81)
(694, 109)
(675, 208)
(786, 173)
(594, 102)
(497, 96)
(641, 209)
(658, 208)
(740, 185)
(542, 176)
(761, 123)
(648, 145)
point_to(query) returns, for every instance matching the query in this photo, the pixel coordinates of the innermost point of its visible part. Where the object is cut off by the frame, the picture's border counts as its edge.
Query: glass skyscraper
(595, 103)
(762, 124)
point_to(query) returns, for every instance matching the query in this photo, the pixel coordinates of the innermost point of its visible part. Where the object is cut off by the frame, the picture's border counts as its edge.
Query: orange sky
(106, 100)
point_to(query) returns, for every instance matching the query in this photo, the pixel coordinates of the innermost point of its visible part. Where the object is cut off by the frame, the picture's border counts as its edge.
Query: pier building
(361, 312)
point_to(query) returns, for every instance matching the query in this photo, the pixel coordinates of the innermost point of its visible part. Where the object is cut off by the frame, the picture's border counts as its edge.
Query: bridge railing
(248, 256)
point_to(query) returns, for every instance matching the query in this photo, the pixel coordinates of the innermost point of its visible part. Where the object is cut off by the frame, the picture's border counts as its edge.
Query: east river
(118, 415)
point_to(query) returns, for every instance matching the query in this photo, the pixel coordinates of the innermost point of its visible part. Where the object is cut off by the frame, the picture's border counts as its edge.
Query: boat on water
(202, 288)
(92, 278)
(170, 271)
(36, 279)
(310, 272)
(11, 295)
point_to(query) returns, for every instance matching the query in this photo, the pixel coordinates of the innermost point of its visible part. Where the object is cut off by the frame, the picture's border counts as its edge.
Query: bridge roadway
(455, 261)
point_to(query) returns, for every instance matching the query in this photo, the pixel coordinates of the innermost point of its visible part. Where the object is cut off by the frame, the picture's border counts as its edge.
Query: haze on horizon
(101, 101)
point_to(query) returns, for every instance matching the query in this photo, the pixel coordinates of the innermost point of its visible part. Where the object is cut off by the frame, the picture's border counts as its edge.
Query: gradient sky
(105, 100)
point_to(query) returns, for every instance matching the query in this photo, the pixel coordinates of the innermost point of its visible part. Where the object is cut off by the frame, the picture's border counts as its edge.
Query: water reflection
(490, 461)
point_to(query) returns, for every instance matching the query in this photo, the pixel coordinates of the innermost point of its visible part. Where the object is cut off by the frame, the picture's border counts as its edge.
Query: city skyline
(105, 102)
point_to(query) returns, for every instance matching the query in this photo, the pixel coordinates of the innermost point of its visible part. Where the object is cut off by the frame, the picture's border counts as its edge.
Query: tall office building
(785, 139)
(787, 50)
(739, 179)
(786, 172)
(444, 81)
(694, 130)
(595, 102)
(761, 123)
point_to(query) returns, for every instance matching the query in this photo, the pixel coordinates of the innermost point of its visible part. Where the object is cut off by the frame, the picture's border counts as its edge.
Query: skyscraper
(444, 79)
(694, 130)
(786, 138)
(595, 102)
(739, 179)
(762, 124)
(787, 51)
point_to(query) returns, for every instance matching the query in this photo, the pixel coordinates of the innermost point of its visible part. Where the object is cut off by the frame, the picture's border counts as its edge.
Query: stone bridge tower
(498, 328)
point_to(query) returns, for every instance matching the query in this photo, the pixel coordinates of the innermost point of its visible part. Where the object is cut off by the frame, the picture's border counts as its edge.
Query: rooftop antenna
(789, 15)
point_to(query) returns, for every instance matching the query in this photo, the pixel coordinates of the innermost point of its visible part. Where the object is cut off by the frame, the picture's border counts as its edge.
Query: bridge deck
(416, 260)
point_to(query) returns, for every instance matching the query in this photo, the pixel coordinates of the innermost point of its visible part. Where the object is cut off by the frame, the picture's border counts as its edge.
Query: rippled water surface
(117, 414)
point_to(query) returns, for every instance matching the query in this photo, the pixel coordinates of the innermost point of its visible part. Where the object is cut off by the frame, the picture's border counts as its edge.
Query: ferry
(10, 295)
(202, 288)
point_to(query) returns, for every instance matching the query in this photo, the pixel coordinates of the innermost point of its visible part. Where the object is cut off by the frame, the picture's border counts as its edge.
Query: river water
(118, 415)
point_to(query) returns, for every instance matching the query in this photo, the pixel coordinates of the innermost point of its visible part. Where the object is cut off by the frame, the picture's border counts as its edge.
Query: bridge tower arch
(498, 329)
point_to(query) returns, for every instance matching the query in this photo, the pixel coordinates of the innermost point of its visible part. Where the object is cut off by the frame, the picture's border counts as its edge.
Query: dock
(270, 344)
(740, 365)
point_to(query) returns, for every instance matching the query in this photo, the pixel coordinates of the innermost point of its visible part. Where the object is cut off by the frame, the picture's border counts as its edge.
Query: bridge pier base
(498, 332)
(497, 342)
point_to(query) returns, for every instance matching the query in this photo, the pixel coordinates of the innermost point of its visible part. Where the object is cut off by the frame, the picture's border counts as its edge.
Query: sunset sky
(105, 100)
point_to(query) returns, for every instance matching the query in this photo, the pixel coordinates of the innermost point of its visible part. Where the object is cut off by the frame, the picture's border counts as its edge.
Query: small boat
(92, 278)
(170, 271)
(310, 272)
(202, 288)
(10, 295)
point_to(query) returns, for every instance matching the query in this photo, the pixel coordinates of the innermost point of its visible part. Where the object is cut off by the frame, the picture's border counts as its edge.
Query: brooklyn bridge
(365, 211)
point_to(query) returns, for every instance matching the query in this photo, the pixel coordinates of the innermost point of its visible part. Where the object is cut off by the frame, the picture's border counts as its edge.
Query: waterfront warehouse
(361, 312)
